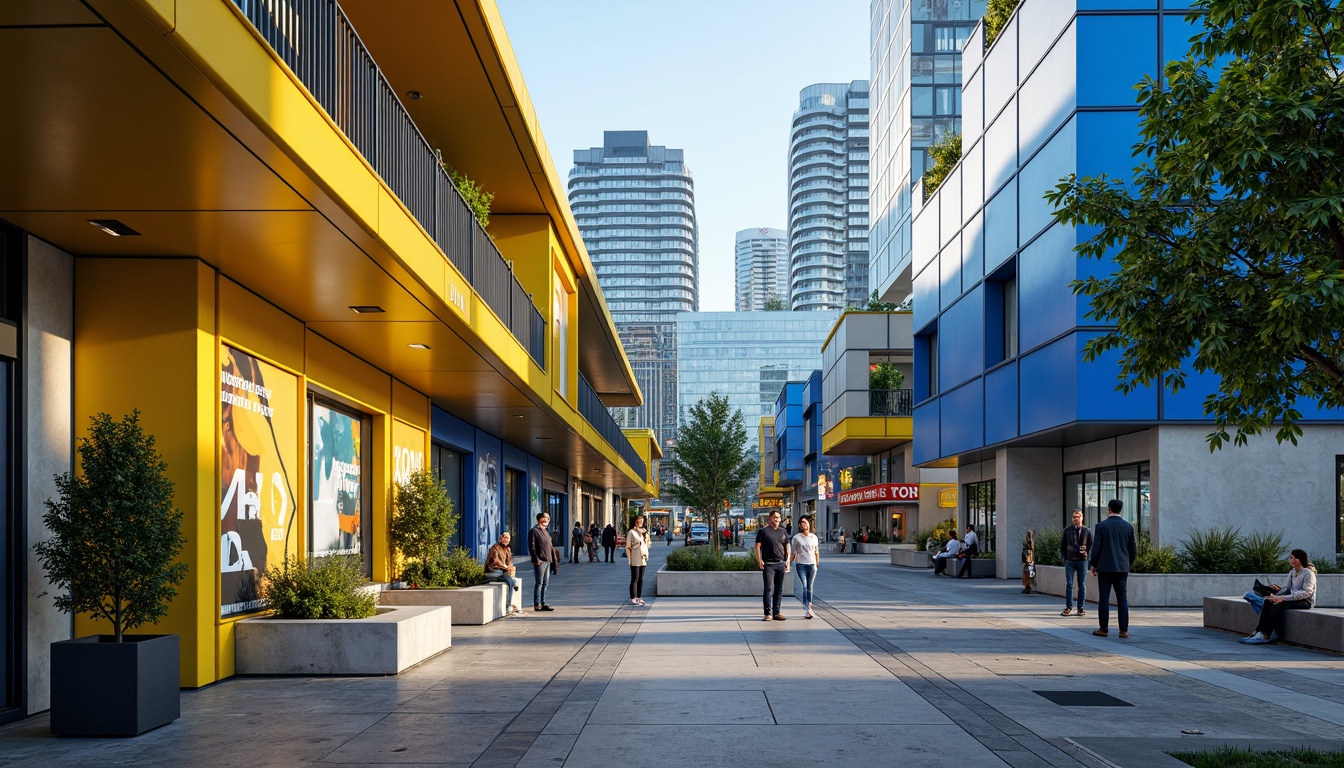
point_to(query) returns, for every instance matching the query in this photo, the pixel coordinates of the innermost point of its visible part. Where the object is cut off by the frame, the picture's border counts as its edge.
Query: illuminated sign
(766, 503)
(947, 497)
(886, 493)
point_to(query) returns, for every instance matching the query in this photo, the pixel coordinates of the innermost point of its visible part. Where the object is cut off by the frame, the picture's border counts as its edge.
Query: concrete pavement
(900, 667)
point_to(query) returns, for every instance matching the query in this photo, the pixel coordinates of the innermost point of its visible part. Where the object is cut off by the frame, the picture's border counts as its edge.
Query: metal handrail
(891, 402)
(596, 414)
(316, 41)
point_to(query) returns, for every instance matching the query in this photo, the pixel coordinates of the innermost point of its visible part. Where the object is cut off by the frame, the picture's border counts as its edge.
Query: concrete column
(1029, 486)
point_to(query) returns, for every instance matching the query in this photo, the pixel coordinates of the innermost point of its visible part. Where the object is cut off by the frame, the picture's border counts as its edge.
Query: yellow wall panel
(410, 405)
(335, 369)
(527, 242)
(404, 238)
(258, 326)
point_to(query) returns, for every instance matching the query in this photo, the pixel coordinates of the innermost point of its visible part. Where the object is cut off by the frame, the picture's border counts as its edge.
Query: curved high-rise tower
(761, 264)
(828, 197)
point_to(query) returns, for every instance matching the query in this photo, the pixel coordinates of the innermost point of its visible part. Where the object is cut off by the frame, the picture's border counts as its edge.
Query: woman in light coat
(1298, 593)
(637, 550)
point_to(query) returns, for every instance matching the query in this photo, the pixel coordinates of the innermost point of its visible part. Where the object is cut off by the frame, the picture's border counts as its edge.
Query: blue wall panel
(1056, 160)
(1114, 54)
(1046, 303)
(949, 268)
(961, 340)
(1106, 141)
(1001, 227)
(973, 251)
(926, 427)
(1188, 404)
(1048, 393)
(925, 304)
(1098, 398)
(447, 428)
(963, 417)
(1001, 404)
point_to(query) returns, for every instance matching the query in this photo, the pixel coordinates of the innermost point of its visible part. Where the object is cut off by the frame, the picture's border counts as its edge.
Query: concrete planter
(715, 583)
(909, 558)
(1184, 590)
(393, 640)
(875, 549)
(474, 606)
(981, 567)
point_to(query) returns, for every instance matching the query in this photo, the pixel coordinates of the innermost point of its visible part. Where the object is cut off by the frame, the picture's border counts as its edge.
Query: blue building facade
(1001, 388)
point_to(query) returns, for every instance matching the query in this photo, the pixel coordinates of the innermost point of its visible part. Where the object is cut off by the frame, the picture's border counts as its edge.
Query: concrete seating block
(715, 583)
(393, 640)
(1321, 628)
(473, 606)
(909, 558)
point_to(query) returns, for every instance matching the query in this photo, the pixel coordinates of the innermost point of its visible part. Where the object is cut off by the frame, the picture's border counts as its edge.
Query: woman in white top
(807, 555)
(637, 550)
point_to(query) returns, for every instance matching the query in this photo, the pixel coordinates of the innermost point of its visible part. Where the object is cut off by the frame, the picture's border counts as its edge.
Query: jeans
(637, 581)
(542, 572)
(507, 579)
(808, 573)
(1072, 568)
(1257, 602)
(1119, 580)
(772, 579)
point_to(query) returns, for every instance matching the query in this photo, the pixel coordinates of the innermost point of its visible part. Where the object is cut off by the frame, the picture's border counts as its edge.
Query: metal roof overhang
(107, 117)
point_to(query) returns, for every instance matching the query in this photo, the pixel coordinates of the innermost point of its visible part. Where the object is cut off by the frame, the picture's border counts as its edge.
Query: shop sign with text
(878, 494)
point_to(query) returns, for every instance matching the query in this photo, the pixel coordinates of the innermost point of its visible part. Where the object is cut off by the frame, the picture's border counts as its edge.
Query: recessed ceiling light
(517, 415)
(367, 309)
(114, 228)
(543, 438)
(418, 346)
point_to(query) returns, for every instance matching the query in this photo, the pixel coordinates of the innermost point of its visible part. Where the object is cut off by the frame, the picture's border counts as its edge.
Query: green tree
(422, 518)
(1229, 241)
(711, 462)
(114, 529)
(997, 14)
(477, 199)
(885, 376)
(775, 304)
(946, 153)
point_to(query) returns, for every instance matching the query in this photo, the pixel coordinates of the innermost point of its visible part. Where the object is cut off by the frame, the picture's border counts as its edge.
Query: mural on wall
(338, 491)
(258, 432)
(487, 501)
(408, 451)
(533, 504)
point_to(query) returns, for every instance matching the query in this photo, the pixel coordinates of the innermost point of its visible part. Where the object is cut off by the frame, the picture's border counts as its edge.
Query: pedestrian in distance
(1113, 553)
(667, 533)
(609, 543)
(841, 539)
(1028, 561)
(807, 556)
(575, 542)
(788, 528)
(637, 551)
(969, 549)
(1073, 547)
(543, 554)
(590, 539)
(1299, 593)
(772, 557)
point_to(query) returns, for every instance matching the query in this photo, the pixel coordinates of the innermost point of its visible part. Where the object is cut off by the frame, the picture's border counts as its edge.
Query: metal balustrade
(890, 402)
(317, 42)
(596, 414)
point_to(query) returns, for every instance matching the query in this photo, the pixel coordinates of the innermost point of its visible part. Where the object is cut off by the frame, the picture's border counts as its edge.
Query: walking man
(609, 543)
(1073, 548)
(1113, 553)
(542, 549)
(969, 550)
(772, 557)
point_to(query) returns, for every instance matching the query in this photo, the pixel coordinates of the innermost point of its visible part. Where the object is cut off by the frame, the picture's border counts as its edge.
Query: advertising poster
(258, 442)
(408, 451)
(338, 488)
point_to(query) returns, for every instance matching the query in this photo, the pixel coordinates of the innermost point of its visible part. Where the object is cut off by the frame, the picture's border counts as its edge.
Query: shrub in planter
(1262, 552)
(115, 535)
(1047, 546)
(1152, 559)
(330, 587)
(451, 571)
(422, 525)
(1217, 550)
(922, 539)
(704, 559)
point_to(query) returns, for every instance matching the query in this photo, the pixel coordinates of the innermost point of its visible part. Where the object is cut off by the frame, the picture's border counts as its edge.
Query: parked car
(699, 533)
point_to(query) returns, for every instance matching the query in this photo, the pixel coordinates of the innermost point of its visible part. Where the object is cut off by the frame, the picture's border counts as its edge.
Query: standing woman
(1299, 593)
(1028, 561)
(637, 550)
(807, 554)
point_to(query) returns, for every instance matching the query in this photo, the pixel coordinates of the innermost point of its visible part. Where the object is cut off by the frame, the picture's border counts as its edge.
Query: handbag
(587, 538)
(1031, 571)
(1263, 590)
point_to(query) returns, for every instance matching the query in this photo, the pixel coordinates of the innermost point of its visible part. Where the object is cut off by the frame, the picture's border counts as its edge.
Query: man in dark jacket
(542, 551)
(575, 542)
(1073, 549)
(1113, 553)
(609, 543)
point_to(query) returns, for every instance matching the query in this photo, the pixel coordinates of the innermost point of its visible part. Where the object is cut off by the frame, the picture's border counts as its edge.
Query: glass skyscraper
(761, 260)
(916, 73)
(828, 197)
(635, 207)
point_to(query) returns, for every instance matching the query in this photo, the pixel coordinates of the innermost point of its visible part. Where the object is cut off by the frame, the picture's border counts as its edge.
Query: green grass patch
(1228, 757)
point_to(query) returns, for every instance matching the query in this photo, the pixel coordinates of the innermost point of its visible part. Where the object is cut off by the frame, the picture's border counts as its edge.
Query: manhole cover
(1083, 699)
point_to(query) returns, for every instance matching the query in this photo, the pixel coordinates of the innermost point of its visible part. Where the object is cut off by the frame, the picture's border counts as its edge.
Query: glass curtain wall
(1090, 491)
(981, 512)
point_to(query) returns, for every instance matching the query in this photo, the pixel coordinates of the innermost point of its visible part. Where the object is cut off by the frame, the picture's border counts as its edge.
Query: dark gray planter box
(104, 688)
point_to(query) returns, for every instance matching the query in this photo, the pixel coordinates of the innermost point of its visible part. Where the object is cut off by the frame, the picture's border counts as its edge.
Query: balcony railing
(890, 402)
(318, 43)
(596, 414)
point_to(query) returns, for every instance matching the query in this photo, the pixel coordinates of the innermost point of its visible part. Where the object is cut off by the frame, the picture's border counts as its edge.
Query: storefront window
(447, 465)
(515, 501)
(1091, 491)
(336, 518)
(981, 512)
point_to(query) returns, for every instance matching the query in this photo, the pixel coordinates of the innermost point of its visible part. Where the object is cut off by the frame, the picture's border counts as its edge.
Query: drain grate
(1082, 699)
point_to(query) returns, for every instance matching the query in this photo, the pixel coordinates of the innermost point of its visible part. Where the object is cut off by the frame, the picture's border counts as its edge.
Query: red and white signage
(886, 493)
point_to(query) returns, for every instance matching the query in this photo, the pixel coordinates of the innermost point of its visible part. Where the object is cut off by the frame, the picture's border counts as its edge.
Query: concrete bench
(476, 605)
(981, 568)
(1320, 628)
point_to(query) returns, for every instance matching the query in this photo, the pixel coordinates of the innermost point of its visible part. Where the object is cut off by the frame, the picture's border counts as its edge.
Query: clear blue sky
(717, 78)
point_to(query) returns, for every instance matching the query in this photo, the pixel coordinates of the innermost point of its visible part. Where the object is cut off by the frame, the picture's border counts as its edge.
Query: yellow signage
(769, 503)
(947, 497)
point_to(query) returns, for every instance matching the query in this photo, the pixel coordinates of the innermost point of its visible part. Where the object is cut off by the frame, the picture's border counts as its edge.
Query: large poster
(338, 487)
(258, 442)
(408, 451)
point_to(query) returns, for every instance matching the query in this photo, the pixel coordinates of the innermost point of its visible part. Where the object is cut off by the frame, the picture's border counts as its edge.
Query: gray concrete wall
(1264, 486)
(48, 346)
(1029, 495)
(1111, 452)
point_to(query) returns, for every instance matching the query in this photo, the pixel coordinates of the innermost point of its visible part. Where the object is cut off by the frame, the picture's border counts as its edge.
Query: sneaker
(639, 601)
(1256, 639)
(778, 617)
(633, 601)
(1066, 612)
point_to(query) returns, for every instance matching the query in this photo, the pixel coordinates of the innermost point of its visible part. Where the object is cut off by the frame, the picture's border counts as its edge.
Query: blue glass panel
(949, 268)
(925, 305)
(1098, 398)
(963, 418)
(1176, 34)
(1057, 159)
(973, 251)
(1044, 270)
(1001, 404)
(962, 333)
(1188, 404)
(1107, 71)
(1001, 227)
(925, 426)
(1048, 397)
(1049, 95)
(1001, 149)
(1106, 141)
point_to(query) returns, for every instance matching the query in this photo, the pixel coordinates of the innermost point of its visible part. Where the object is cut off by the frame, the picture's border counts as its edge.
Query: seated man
(500, 558)
(950, 551)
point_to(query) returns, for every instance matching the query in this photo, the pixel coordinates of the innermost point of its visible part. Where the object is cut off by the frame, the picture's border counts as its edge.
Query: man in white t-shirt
(806, 554)
(950, 550)
(969, 549)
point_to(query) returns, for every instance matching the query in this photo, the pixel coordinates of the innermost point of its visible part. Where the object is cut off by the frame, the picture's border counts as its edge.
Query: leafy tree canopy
(997, 13)
(711, 462)
(1228, 241)
(423, 520)
(775, 304)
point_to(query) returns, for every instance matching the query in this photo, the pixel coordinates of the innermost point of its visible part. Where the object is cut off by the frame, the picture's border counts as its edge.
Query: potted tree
(422, 525)
(115, 536)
